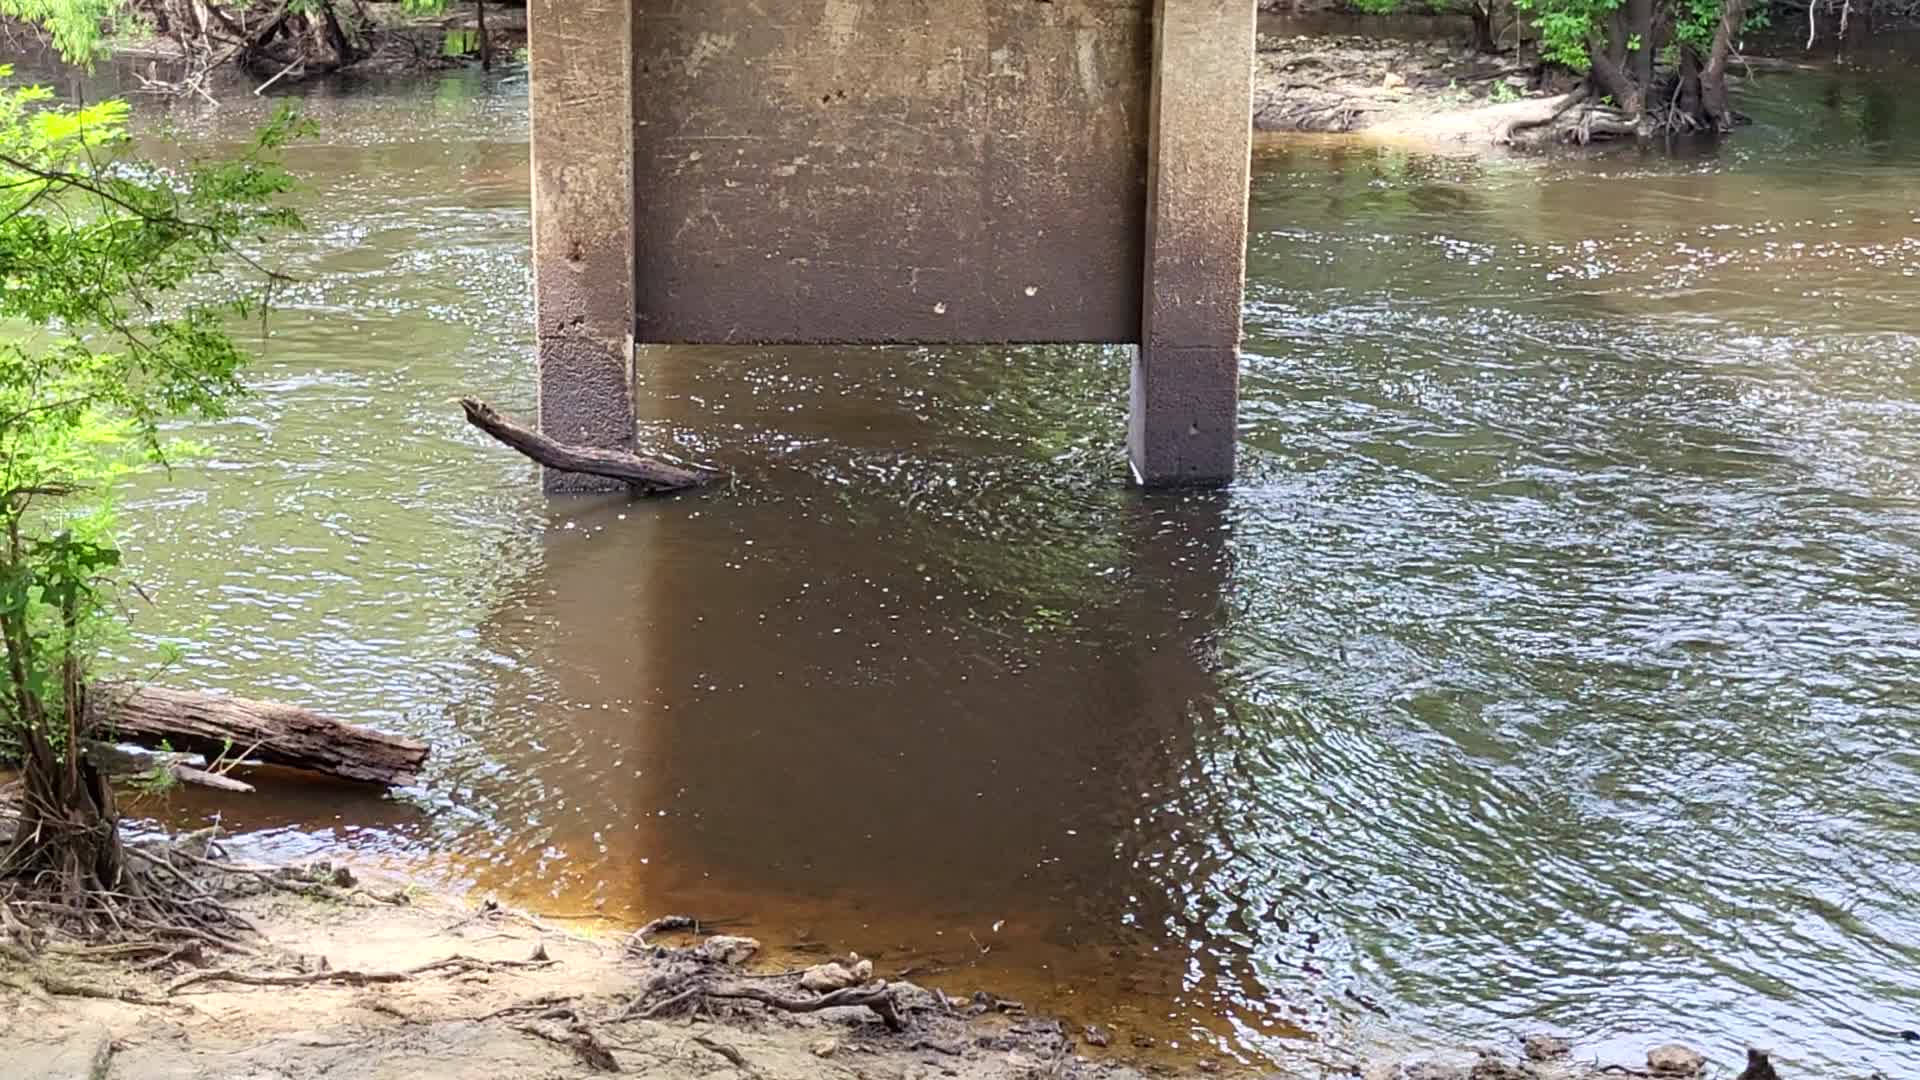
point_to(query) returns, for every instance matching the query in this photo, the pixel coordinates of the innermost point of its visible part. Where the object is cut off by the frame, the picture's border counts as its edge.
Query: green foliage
(1567, 27)
(1695, 21)
(102, 348)
(155, 782)
(74, 24)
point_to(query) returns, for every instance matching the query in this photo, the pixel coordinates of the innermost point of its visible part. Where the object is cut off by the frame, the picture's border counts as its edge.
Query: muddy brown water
(1551, 665)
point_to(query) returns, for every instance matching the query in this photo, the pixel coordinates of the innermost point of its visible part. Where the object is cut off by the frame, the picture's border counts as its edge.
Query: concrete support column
(1187, 375)
(583, 210)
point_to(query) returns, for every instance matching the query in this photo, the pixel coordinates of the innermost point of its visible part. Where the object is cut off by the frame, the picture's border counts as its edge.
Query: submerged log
(645, 474)
(216, 726)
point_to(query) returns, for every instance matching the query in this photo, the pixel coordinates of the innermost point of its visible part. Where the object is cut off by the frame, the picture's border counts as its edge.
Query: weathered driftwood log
(216, 725)
(643, 473)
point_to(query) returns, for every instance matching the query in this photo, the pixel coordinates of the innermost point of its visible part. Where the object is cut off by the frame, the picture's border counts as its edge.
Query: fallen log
(645, 474)
(219, 726)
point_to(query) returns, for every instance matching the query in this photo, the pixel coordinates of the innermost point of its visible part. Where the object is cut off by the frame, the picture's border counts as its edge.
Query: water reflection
(726, 703)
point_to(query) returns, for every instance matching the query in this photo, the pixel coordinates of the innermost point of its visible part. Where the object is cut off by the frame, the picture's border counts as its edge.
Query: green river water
(1552, 663)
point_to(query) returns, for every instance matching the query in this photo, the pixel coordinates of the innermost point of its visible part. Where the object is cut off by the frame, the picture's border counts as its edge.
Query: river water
(1550, 665)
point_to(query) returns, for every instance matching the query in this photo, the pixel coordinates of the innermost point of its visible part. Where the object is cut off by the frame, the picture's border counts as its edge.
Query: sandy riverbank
(381, 979)
(512, 996)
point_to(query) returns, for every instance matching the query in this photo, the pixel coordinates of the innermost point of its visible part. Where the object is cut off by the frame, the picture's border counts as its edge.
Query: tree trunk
(1639, 18)
(327, 45)
(69, 826)
(1611, 79)
(486, 44)
(1482, 16)
(1687, 99)
(217, 726)
(1716, 108)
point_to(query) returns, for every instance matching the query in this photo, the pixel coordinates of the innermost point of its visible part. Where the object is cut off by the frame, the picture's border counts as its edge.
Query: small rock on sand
(1098, 1036)
(1426, 1070)
(825, 1048)
(1393, 81)
(1544, 1047)
(826, 978)
(727, 949)
(1674, 1060)
(1490, 1067)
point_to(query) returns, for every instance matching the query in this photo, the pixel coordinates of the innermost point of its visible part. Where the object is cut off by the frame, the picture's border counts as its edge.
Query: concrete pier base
(1187, 374)
(583, 218)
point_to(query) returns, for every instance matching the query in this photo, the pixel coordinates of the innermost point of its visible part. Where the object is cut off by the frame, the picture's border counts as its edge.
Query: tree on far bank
(1655, 65)
(274, 38)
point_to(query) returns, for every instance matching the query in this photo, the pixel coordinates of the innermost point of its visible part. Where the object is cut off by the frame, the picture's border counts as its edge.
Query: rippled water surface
(1552, 663)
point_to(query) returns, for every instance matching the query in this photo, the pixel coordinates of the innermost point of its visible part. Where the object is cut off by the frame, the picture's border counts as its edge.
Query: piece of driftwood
(645, 474)
(216, 725)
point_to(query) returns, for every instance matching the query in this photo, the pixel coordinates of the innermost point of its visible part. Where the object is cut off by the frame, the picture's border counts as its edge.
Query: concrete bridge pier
(897, 172)
(1186, 375)
(581, 60)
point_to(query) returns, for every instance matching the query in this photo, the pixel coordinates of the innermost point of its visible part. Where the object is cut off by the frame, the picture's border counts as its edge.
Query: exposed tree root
(877, 997)
(1498, 125)
(101, 1066)
(452, 965)
(693, 978)
(637, 944)
(24, 971)
(167, 908)
(735, 1057)
(577, 1037)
